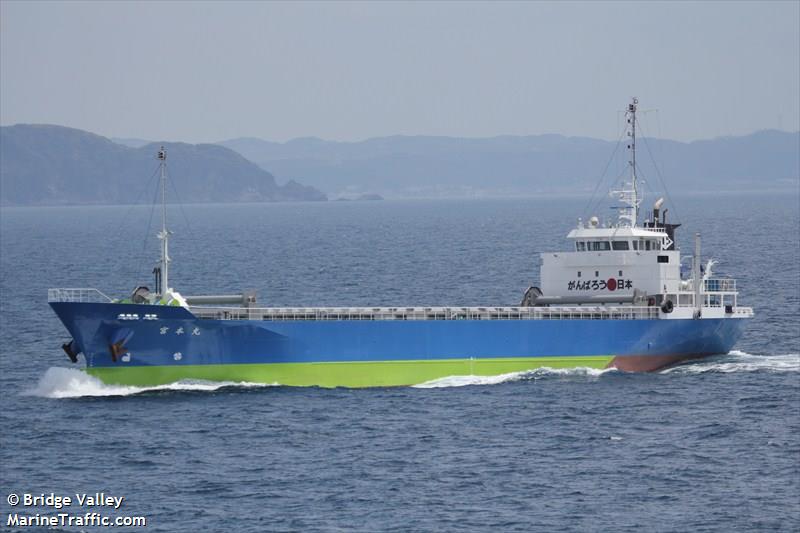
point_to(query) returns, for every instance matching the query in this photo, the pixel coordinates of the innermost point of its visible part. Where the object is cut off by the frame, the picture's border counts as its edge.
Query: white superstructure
(630, 264)
(612, 260)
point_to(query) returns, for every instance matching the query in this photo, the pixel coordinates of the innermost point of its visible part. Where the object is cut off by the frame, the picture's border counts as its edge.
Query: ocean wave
(736, 361)
(463, 381)
(60, 382)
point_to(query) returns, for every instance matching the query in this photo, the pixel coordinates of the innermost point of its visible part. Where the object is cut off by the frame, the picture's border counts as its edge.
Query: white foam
(736, 361)
(59, 382)
(575, 371)
(463, 381)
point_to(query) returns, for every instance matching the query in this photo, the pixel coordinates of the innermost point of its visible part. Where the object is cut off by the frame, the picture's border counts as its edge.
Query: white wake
(59, 382)
(737, 361)
(463, 381)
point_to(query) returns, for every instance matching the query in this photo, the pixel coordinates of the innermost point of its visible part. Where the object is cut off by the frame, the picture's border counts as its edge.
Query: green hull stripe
(339, 374)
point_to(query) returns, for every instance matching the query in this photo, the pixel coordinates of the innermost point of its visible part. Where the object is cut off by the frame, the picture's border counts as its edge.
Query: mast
(629, 193)
(632, 120)
(163, 235)
(696, 278)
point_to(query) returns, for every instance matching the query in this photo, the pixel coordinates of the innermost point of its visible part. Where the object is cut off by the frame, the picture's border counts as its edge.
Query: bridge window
(635, 244)
(581, 246)
(619, 245)
(601, 246)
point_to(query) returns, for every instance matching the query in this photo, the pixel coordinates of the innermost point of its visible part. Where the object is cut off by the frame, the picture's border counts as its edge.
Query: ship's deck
(426, 313)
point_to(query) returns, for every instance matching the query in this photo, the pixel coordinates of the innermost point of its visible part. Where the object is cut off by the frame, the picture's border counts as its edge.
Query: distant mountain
(507, 165)
(42, 164)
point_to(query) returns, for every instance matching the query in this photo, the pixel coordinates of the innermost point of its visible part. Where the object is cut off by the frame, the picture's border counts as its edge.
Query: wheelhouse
(619, 244)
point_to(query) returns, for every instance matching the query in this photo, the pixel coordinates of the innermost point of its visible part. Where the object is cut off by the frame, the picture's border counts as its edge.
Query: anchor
(71, 349)
(118, 341)
(116, 349)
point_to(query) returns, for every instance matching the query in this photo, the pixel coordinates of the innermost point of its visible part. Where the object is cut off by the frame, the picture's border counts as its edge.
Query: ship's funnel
(657, 208)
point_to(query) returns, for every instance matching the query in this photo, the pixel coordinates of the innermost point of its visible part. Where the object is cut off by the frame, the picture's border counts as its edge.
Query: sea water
(712, 445)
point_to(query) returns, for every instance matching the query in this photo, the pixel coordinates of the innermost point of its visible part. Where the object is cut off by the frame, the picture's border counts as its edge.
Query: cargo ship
(616, 298)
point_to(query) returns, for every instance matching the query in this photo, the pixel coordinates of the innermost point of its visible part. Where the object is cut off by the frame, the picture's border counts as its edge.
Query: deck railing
(717, 292)
(657, 229)
(77, 295)
(426, 313)
(719, 285)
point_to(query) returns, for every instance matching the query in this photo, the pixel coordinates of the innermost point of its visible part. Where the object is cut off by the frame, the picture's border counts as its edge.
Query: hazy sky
(206, 71)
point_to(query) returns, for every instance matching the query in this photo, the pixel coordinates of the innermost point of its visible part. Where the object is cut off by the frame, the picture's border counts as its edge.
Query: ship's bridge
(620, 239)
(613, 262)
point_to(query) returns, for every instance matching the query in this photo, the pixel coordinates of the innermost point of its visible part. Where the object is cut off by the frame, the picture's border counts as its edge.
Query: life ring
(667, 307)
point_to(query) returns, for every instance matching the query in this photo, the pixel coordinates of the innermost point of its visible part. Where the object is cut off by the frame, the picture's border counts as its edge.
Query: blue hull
(178, 338)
